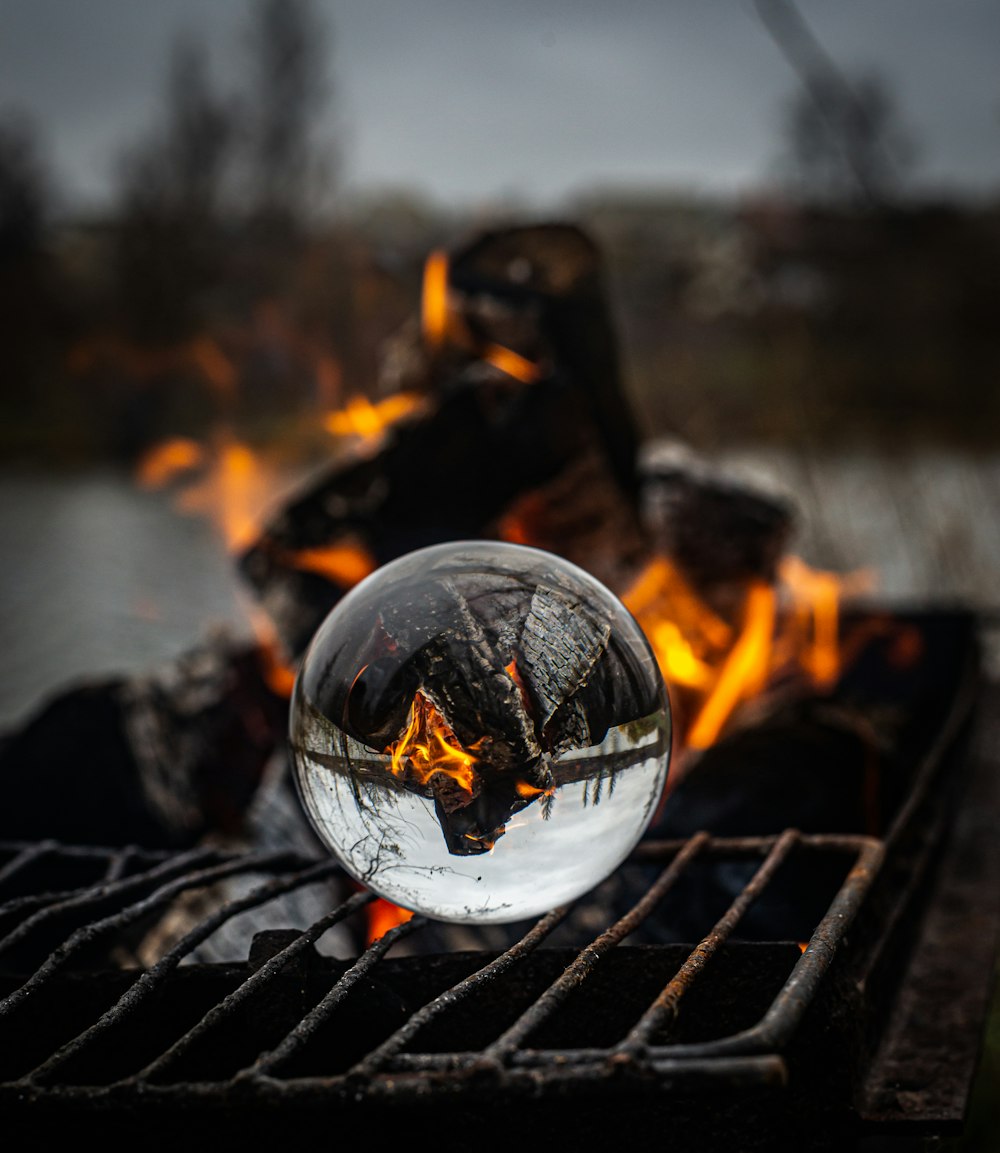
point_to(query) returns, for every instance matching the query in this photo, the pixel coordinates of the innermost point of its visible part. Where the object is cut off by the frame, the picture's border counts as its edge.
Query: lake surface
(101, 577)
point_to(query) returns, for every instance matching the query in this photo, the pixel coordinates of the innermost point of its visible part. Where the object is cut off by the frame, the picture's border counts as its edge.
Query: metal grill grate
(135, 886)
(705, 972)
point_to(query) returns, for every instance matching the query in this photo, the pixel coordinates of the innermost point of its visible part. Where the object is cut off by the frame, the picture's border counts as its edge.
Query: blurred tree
(25, 190)
(175, 204)
(291, 166)
(845, 139)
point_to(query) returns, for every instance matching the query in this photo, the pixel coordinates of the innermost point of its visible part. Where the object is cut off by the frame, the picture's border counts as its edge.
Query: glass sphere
(480, 732)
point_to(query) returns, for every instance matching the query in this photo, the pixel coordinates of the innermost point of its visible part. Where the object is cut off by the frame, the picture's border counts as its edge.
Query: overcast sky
(534, 99)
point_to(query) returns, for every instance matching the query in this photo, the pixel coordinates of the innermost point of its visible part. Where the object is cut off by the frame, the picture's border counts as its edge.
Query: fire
(512, 363)
(687, 636)
(428, 746)
(793, 623)
(276, 669)
(435, 315)
(383, 915)
(167, 460)
(744, 670)
(232, 487)
(360, 418)
(343, 564)
(440, 325)
(232, 493)
(815, 625)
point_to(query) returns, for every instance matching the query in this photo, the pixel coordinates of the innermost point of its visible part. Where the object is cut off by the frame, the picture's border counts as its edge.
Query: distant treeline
(768, 321)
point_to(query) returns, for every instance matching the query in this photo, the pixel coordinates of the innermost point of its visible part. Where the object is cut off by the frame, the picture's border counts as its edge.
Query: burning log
(524, 430)
(720, 531)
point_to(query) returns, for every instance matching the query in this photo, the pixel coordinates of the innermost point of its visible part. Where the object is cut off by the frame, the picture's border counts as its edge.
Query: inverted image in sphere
(480, 732)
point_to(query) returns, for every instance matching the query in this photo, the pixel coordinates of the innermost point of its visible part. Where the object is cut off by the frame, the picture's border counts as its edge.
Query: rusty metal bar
(778, 1024)
(256, 981)
(577, 972)
(392, 1045)
(88, 933)
(666, 1005)
(25, 858)
(151, 979)
(56, 904)
(118, 863)
(270, 1063)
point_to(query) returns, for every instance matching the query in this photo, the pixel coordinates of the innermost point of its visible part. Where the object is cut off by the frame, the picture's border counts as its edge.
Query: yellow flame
(429, 747)
(743, 671)
(360, 418)
(791, 625)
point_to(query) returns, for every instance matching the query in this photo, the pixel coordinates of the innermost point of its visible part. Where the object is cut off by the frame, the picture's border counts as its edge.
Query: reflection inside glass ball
(480, 732)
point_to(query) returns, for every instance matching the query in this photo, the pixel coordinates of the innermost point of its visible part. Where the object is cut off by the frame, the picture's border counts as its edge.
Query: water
(101, 578)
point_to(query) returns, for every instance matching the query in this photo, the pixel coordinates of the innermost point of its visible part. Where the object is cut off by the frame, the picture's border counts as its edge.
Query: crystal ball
(480, 732)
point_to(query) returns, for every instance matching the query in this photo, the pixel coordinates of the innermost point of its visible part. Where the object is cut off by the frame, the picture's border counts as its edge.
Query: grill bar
(666, 1006)
(270, 1063)
(151, 979)
(504, 1046)
(263, 976)
(88, 933)
(378, 1058)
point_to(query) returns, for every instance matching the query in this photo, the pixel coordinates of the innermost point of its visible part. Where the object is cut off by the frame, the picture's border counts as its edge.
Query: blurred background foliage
(232, 279)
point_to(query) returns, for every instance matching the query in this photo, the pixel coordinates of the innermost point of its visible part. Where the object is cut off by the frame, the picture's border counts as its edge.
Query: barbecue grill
(747, 991)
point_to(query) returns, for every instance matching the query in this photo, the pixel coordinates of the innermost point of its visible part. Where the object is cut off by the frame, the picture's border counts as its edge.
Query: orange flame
(435, 314)
(232, 494)
(167, 460)
(233, 487)
(512, 363)
(343, 564)
(276, 669)
(360, 418)
(429, 746)
(791, 624)
(440, 323)
(743, 671)
(815, 615)
(383, 915)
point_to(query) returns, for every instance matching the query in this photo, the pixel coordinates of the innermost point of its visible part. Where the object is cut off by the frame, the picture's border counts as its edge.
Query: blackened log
(487, 454)
(719, 530)
(447, 476)
(556, 270)
(156, 760)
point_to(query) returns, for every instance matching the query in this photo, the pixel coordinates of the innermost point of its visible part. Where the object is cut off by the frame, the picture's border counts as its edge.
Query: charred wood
(156, 760)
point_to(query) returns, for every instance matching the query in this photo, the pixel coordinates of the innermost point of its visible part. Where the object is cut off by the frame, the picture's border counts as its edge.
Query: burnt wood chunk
(157, 760)
(716, 527)
(487, 454)
(560, 643)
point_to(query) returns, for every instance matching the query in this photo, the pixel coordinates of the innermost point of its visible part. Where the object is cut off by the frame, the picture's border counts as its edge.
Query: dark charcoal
(716, 528)
(155, 760)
